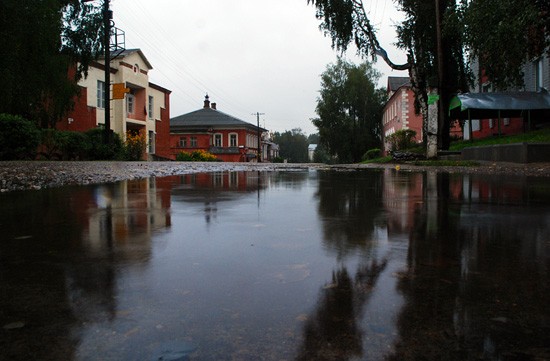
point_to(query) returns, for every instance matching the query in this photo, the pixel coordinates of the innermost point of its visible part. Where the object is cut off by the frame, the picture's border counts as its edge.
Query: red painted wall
(515, 127)
(84, 117)
(205, 140)
(163, 130)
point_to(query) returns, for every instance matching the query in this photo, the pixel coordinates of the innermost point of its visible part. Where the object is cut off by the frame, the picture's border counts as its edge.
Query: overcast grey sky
(249, 55)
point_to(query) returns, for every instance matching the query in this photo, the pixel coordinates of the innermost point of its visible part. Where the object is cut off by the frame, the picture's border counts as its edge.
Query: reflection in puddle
(286, 265)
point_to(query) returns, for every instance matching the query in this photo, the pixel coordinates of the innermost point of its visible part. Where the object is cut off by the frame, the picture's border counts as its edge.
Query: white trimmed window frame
(233, 139)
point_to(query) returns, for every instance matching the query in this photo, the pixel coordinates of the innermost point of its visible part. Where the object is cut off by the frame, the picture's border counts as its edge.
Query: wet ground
(302, 264)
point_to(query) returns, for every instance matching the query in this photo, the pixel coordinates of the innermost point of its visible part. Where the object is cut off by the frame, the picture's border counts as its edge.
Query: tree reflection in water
(334, 331)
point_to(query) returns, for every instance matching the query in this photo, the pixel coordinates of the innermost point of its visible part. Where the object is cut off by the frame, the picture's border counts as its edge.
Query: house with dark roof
(228, 138)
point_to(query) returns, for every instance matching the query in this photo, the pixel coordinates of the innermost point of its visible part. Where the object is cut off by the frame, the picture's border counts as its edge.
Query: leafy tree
(293, 145)
(313, 138)
(19, 138)
(41, 41)
(349, 108)
(503, 34)
(346, 21)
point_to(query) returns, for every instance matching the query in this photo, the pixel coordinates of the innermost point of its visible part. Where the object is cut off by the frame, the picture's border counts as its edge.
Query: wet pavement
(302, 264)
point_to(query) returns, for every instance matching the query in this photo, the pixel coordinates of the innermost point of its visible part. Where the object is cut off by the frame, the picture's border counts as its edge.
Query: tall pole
(441, 126)
(259, 137)
(107, 16)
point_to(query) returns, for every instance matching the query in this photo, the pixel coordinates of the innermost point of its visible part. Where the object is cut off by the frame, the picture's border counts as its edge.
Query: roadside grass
(538, 136)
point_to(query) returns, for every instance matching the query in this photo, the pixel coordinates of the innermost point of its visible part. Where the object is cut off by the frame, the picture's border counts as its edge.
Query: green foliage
(134, 145)
(278, 160)
(321, 155)
(37, 55)
(101, 151)
(293, 145)
(401, 139)
(199, 155)
(503, 42)
(349, 108)
(372, 154)
(19, 138)
(539, 136)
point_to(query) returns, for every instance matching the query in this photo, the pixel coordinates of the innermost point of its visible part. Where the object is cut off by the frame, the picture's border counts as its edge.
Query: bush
(75, 146)
(51, 144)
(372, 154)
(402, 139)
(134, 145)
(199, 155)
(19, 138)
(101, 151)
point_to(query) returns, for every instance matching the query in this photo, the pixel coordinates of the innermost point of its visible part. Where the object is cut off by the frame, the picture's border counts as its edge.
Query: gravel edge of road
(35, 175)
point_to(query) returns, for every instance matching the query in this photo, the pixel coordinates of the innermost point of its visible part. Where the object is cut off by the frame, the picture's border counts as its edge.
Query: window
(151, 142)
(217, 140)
(193, 142)
(232, 140)
(151, 106)
(136, 68)
(130, 102)
(506, 121)
(100, 94)
(538, 74)
(183, 142)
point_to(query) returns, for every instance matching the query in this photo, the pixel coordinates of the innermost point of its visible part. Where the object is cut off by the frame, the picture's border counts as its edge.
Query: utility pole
(107, 17)
(259, 137)
(441, 126)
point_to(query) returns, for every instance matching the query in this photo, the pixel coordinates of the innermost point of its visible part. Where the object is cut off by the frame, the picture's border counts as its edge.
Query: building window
(136, 68)
(130, 103)
(538, 74)
(183, 142)
(232, 140)
(100, 94)
(506, 121)
(151, 142)
(217, 140)
(151, 106)
(193, 142)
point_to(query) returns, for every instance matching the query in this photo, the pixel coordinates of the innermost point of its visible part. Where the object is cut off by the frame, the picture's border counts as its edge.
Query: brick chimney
(206, 101)
(214, 106)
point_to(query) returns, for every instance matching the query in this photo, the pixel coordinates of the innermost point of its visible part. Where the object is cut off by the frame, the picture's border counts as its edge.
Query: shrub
(372, 154)
(134, 145)
(19, 138)
(51, 144)
(101, 151)
(402, 139)
(75, 146)
(198, 155)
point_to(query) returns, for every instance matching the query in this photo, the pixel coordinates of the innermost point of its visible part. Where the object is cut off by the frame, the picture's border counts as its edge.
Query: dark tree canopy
(349, 109)
(293, 145)
(40, 41)
(504, 34)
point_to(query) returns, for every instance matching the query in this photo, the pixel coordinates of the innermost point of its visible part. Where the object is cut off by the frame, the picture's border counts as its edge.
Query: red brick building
(228, 138)
(399, 110)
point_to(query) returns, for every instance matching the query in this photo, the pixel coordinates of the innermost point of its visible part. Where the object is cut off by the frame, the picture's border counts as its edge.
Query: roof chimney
(214, 106)
(206, 101)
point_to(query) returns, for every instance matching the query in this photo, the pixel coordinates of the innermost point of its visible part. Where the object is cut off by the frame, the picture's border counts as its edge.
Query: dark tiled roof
(209, 118)
(396, 82)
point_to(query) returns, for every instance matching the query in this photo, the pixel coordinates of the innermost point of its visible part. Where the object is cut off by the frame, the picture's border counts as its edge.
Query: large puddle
(318, 265)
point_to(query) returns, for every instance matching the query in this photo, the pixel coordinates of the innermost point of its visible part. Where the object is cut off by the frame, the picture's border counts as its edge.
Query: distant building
(145, 108)
(311, 151)
(399, 110)
(228, 138)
